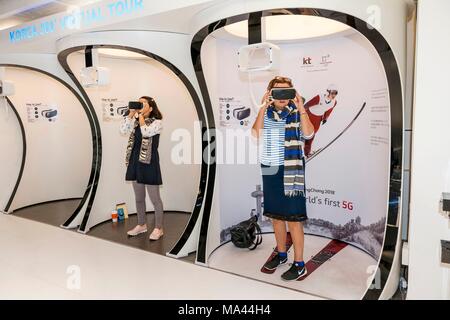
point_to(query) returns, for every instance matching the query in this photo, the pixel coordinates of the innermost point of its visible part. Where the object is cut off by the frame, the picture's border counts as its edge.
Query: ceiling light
(290, 27)
(121, 53)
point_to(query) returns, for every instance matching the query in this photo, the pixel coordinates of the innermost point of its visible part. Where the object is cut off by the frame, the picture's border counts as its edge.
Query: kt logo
(306, 60)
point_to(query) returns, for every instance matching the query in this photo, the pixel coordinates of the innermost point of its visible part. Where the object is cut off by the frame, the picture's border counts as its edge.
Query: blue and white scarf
(294, 172)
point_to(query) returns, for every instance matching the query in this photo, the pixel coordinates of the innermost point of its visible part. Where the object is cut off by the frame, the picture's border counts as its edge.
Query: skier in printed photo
(319, 109)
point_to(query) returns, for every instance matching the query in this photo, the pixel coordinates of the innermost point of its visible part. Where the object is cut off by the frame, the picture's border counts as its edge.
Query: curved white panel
(129, 80)
(13, 148)
(59, 152)
(388, 17)
(174, 48)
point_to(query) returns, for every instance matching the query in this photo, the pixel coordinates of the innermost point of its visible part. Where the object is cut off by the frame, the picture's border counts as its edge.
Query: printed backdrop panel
(347, 171)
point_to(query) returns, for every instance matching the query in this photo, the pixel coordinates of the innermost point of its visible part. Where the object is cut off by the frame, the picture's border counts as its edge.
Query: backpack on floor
(246, 234)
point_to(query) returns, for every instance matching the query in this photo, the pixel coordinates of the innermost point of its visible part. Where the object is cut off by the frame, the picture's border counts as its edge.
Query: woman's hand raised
(265, 101)
(132, 113)
(299, 102)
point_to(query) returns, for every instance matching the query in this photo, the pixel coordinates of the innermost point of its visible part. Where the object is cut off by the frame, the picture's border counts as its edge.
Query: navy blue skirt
(276, 204)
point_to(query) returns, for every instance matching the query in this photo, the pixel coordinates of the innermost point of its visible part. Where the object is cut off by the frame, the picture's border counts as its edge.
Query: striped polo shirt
(273, 142)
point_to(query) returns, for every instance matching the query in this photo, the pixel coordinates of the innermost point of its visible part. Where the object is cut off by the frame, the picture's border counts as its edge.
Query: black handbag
(246, 234)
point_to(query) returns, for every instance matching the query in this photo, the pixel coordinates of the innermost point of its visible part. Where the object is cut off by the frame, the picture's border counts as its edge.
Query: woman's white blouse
(153, 129)
(146, 130)
(126, 126)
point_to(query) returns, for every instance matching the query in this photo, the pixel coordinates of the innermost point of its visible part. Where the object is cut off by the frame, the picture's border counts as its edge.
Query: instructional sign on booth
(37, 111)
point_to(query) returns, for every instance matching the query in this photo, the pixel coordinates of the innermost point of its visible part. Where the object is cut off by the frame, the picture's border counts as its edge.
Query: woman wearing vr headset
(284, 125)
(142, 159)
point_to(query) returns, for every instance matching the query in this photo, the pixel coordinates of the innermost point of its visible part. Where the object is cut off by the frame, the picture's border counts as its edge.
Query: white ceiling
(275, 30)
(15, 12)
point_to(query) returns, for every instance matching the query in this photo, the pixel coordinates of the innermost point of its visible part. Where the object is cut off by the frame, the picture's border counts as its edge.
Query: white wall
(12, 149)
(131, 79)
(430, 168)
(59, 154)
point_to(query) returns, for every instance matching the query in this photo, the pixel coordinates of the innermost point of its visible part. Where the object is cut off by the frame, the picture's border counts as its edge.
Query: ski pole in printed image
(338, 136)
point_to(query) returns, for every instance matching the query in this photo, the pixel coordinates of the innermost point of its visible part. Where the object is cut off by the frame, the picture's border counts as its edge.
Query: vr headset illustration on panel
(241, 113)
(49, 113)
(122, 111)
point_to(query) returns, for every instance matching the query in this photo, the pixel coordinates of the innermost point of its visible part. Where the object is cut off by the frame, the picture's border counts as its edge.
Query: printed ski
(329, 251)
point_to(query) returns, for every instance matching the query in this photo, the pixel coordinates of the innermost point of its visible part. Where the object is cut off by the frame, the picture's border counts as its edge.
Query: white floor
(346, 276)
(35, 259)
